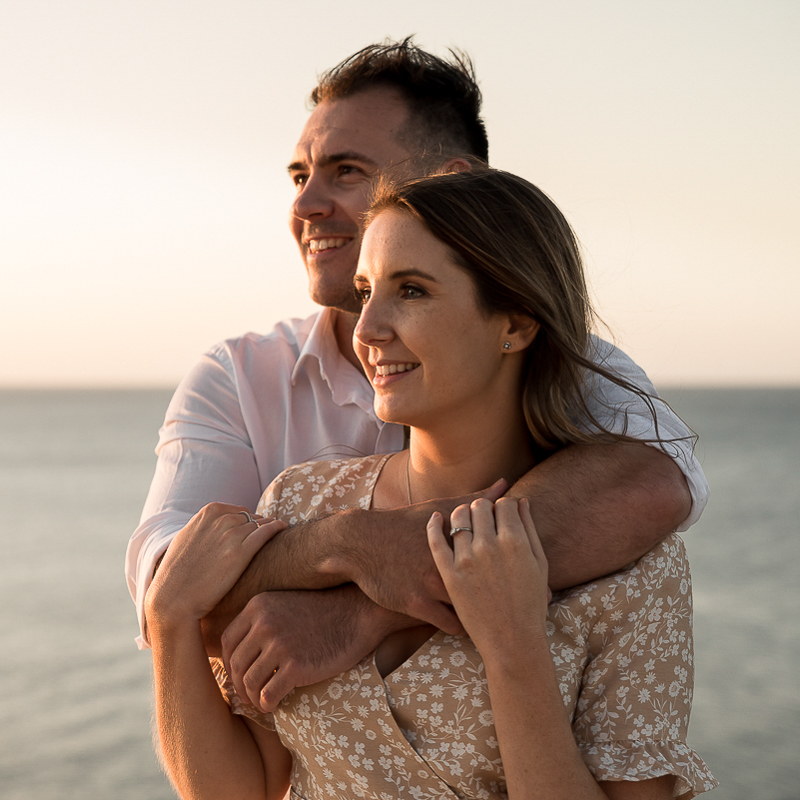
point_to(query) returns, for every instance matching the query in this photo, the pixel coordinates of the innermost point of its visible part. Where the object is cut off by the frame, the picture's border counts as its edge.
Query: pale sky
(144, 195)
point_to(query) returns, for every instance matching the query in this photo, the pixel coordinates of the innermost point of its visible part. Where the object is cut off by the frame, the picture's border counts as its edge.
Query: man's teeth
(392, 369)
(315, 245)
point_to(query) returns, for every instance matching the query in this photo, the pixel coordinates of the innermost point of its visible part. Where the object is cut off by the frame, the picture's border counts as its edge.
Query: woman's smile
(385, 374)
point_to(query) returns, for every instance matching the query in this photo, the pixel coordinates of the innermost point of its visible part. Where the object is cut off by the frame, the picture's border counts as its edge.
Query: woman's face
(431, 353)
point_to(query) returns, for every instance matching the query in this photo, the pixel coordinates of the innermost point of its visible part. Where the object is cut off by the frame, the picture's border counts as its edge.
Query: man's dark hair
(443, 96)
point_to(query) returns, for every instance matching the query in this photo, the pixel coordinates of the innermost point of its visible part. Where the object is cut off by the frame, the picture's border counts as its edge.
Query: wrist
(171, 629)
(516, 657)
(167, 618)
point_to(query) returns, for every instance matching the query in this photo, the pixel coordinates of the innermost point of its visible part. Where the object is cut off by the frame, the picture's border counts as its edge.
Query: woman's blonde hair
(524, 259)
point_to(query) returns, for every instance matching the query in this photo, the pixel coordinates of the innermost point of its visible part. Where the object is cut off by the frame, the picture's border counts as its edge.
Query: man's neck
(344, 323)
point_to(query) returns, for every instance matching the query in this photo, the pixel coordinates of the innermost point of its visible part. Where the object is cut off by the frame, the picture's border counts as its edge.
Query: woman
(475, 333)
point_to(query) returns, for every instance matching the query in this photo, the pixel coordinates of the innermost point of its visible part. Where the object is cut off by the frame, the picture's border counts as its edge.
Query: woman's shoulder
(316, 488)
(665, 563)
(643, 590)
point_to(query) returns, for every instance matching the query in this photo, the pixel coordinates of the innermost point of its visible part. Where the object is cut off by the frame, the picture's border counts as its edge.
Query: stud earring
(506, 346)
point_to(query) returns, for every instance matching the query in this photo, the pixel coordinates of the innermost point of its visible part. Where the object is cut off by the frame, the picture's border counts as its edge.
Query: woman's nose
(373, 326)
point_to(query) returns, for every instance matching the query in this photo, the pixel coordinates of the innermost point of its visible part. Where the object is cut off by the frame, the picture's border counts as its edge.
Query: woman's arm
(497, 578)
(208, 752)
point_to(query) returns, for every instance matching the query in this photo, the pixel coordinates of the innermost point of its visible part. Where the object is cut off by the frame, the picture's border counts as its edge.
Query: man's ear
(456, 164)
(520, 332)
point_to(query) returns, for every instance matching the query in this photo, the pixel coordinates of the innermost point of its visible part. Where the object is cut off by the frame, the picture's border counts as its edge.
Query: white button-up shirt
(255, 405)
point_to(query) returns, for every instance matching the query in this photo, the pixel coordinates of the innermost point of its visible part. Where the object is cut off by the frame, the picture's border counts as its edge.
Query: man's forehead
(366, 127)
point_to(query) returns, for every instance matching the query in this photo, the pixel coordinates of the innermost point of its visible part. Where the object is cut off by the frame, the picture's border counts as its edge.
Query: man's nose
(313, 200)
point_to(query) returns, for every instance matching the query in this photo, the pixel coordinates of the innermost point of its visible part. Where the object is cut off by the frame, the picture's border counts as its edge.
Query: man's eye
(299, 179)
(364, 293)
(348, 170)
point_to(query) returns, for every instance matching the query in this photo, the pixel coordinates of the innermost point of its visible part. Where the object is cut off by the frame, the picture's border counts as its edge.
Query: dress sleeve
(233, 700)
(622, 411)
(633, 709)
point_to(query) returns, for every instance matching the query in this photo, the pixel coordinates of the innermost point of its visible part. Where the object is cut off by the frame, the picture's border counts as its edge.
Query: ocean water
(75, 714)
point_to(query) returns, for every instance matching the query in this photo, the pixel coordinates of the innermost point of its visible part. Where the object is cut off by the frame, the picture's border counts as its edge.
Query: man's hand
(386, 553)
(286, 639)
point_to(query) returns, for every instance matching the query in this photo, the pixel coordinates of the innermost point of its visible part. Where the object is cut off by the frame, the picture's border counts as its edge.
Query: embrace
(359, 636)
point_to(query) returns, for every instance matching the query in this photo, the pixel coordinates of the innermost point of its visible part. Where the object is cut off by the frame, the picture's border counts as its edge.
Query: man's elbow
(668, 498)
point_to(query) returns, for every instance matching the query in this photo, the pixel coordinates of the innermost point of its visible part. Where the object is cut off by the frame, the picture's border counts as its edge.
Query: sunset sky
(144, 195)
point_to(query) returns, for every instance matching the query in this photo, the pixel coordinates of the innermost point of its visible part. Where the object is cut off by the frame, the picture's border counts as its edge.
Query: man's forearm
(295, 559)
(598, 507)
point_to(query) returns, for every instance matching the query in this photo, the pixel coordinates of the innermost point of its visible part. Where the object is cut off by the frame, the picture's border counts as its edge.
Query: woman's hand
(496, 573)
(204, 561)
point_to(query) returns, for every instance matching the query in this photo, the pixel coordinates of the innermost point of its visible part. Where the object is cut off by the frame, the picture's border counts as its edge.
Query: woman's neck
(463, 462)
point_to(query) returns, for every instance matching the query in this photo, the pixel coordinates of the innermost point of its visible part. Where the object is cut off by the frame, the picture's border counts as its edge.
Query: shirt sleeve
(633, 710)
(622, 411)
(204, 454)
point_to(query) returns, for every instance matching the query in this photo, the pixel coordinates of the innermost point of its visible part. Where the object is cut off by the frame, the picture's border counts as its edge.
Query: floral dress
(622, 649)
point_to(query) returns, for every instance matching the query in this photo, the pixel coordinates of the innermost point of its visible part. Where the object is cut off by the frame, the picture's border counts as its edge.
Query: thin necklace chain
(408, 477)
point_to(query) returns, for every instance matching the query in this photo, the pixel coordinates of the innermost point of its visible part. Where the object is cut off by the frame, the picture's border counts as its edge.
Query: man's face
(343, 147)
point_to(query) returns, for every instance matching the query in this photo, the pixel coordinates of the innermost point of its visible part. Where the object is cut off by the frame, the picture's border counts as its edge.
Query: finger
(484, 530)
(507, 517)
(535, 542)
(278, 685)
(461, 525)
(440, 549)
(261, 672)
(262, 533)
(495, 491)
(442, 616)
(530, 530)
(238, 653)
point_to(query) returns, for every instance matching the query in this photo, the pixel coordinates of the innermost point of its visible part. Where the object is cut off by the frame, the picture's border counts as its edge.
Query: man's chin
(347, 302)
(340, 294)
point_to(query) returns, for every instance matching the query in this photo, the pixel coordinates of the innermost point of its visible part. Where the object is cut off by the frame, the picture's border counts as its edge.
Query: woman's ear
(519, 333)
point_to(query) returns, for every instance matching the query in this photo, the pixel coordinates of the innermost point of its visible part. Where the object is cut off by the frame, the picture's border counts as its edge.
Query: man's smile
(318, 245)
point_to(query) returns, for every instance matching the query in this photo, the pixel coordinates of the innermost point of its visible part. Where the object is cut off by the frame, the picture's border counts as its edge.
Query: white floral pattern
(622, 649)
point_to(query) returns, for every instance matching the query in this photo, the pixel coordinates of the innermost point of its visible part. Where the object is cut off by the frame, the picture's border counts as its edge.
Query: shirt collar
(346, 383)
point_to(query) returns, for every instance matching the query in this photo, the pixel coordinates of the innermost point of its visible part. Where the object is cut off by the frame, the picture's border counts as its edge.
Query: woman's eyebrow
(413, 273)
(399, 275)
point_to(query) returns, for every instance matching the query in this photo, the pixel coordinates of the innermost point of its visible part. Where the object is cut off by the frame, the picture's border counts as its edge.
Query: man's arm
(599, 507)
(352, 546)
(204, 455)
(596, 508)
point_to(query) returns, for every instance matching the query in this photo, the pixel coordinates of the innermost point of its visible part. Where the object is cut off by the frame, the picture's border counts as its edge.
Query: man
(256, 405)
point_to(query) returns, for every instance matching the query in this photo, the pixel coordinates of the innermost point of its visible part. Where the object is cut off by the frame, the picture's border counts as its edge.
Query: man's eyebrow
(334, 158)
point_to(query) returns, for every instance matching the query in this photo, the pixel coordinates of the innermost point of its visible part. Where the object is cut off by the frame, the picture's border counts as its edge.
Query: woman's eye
(412, 292)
